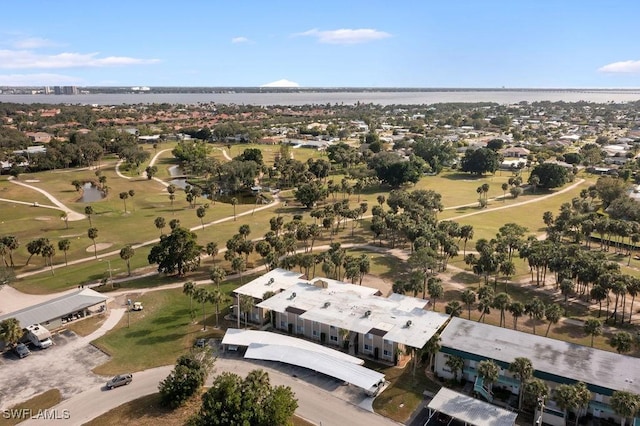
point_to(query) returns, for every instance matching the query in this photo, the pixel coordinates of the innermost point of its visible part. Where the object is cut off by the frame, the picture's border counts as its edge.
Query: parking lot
(65, 366)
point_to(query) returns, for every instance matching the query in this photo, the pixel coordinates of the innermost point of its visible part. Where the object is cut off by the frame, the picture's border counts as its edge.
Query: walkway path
(152, 162)
(71, 215)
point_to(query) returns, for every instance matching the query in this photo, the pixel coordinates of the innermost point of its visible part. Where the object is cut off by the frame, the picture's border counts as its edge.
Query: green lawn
(160, 333)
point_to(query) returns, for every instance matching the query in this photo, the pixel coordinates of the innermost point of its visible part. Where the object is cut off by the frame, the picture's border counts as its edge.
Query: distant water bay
(346, 97)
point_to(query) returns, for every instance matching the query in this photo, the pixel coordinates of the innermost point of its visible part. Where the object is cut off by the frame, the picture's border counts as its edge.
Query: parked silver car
(119, 380)
(22, 350)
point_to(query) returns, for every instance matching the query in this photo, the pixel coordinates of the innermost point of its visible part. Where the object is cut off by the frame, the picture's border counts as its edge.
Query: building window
(300, 329)
(367, 347)
(333, 338)
(368, 336)
(314, 333)
(386, 353)
(283, 324)
(388, 342)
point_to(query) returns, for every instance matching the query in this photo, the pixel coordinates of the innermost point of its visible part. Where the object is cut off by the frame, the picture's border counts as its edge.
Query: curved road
(314, 404)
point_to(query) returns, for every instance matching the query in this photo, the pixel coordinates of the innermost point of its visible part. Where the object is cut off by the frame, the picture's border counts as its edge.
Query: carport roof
(324, 363)
(56, 308)
(470, 410)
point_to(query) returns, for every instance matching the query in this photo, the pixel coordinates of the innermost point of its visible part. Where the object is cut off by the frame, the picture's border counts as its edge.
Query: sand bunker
(99, 246)
(43, 218)
(32, 180)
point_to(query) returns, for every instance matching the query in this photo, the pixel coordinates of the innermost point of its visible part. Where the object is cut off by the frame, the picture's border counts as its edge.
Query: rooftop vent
(293, 294)
(271, 281)
(368, 313)
(327, 304)
(409, 323)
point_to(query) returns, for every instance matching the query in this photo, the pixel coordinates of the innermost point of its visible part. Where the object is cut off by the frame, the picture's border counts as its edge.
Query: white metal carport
(356, 375)
(470, 410)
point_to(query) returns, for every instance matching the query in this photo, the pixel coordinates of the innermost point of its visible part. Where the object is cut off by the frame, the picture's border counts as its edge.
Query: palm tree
(11, 331)
(517, 310)
(246, 305)
(160, 223)
(564, 397)
(189, 288)
(201, 212)
(484, 307)
(88, 210)
(466, 234)
(217, 275)
(553, 314)
(522, 369)
(434, 287)
(453, 308)
(507, 269)
(123, 196)
(535, 310)
(468, 298)
(203, 296)
(502, 302)
(65, 216)
(126, 253)
(48, 251)
(234, 201)
(431, 348)
(593, 327)
(64, 245)
(582, 397)
(93, 234)
(625, 404)
(567, 286)
(621, 342)
(456, 364)
(216, 298)
(489, 372)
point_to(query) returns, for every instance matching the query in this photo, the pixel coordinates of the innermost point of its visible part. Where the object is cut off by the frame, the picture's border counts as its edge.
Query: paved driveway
(65, 366)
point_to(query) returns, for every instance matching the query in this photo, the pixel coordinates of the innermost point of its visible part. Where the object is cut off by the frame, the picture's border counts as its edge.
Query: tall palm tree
(93, 234)
(453, 308)
(126, 253)
(535, 310)
(489, 372)
(522, 369)
(517, 310)
(217, 275)
(502, 302)
(189, 288)
(88, 210)
(593, 327)
(234, 201)
(468, 298)
(217, 298)
(203, 296)
(625, 404)
(64, 245)
(246, 305)
(553, 313)
(160, 223)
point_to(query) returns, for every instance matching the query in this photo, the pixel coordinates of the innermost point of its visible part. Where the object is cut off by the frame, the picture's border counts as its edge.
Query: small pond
(90, 193)
(178, 182)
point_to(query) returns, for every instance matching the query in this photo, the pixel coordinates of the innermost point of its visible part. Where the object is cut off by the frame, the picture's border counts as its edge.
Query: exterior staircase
(479, 388)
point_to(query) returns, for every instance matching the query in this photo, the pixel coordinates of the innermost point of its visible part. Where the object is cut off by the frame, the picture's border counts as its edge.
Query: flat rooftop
(275, 280)
(56, 308)
(398, 318)
(595, 367)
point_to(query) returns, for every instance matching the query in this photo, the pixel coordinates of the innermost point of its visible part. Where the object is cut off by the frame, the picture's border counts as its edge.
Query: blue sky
(421, 43)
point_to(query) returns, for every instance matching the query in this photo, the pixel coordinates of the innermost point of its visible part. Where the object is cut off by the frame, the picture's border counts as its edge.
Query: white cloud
(16, 59)
(346, 36)
(42, 79)
(33, 43)
(240, 40)
(621, 67)
(281, 83)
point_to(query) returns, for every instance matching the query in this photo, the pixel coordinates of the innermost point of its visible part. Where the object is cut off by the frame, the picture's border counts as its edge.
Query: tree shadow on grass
(137, 333)
(573, 331)
(466, 278)
(154, 340)
(464, 176)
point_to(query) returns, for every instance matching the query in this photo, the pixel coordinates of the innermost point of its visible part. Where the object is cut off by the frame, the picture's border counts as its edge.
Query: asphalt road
(315, 404)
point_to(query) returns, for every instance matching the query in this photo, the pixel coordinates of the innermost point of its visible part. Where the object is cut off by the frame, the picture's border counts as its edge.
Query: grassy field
(160, 333)
(42, 401)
